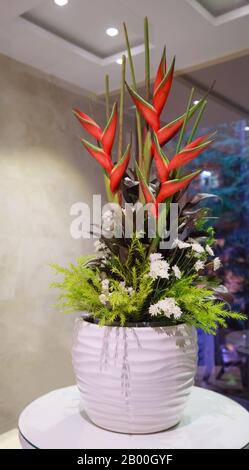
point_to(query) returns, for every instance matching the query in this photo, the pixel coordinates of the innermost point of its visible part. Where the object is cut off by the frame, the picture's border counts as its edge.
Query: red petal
(119, 170)
(146, 109)
(148, 195)
(149, 198)
(161, 70)
(171, 187)
(99, 155)
(169, 131)
(196, 142)
(161, 162)
(88, 124)
(108, 136)
(189, 152)
(162, 92)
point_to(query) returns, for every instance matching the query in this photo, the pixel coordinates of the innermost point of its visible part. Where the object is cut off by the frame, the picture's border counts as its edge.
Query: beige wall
(43, 170)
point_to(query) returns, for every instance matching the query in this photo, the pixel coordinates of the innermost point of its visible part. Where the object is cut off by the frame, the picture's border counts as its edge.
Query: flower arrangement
(133, 280)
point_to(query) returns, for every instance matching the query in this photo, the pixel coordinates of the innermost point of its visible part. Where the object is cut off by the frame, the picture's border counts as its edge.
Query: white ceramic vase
(134, 380)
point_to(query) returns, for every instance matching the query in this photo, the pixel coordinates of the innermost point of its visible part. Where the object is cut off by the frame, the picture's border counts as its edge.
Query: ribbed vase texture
(134, 380)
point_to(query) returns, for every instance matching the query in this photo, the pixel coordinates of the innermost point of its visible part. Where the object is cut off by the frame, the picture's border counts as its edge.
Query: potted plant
(134, 347)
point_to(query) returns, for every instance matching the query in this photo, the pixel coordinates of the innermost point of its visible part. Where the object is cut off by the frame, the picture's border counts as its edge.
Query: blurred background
(54, 55)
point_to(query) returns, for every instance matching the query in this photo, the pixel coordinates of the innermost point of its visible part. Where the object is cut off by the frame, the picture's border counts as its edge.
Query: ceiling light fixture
(247, 128)
(61, 3)
(112, 32)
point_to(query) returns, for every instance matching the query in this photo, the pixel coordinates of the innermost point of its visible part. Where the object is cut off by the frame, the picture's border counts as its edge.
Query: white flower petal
(199, 265)
(176, 272)
(217, 263)
(180, 244)
(103, 299)
(167, 307)
(209, 250)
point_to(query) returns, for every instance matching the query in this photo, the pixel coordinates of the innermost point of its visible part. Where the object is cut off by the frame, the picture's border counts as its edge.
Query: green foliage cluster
(198, 305)
(131, 291)
(81, 287)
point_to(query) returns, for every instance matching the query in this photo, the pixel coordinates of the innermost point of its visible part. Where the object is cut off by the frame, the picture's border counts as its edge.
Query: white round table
(58, 421)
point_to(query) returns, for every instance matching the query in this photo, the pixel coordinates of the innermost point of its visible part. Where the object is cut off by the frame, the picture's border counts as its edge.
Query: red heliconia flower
(88, 124)
(161, 162)
(115, 172)
(146, 109)
(119, 170)
(100, 155)
(161, 71)
(162, 87)
(162, 91)
(167, 189)
(103, 153)
(169, 131)
(189, 152)
(148, 195)
(106, 137)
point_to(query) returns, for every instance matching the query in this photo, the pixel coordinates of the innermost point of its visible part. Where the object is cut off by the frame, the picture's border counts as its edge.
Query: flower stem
(138, 117)
(107, 97)
(121, 109)
(147, 58)
(197, 122)
(185, 121)
(162, 217)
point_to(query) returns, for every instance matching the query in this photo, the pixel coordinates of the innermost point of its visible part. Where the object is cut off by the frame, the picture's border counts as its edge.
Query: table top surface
(57, 421)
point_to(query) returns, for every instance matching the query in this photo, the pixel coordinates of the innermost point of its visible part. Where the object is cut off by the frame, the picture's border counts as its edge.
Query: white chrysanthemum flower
(167, 307)
(129, 290)
(209, 250)
(105, 285)
(155, 257)
(180, 244)
(199, 265)
(176, 272)
(197, 247)
(103, 299)
(99, 246)
(217, 263)
(159, 268)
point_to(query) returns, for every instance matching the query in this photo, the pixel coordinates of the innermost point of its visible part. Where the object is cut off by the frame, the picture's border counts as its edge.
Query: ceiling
(221, 7)
(70, 42)
(229, 100)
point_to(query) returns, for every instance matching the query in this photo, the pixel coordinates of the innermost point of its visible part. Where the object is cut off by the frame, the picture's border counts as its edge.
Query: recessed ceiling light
(119, 61)
(246, 128)
(196, 101)
(61, 3)
(112, 32)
